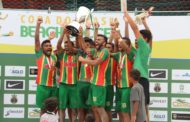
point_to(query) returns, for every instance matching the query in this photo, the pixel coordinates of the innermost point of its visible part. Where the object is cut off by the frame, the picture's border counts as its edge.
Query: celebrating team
(89, 70)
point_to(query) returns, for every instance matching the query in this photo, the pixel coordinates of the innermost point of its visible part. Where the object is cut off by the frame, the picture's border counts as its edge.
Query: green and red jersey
(68, 68)
(85, 71)
(46, 69)
(123, 69)
(111, 72)
(142, 57)
(99, 71)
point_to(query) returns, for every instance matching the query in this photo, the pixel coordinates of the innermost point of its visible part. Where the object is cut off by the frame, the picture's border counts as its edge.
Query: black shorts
(145, 83)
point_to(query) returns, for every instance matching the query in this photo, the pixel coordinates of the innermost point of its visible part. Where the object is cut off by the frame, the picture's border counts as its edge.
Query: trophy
(145, 14)
(82, 15)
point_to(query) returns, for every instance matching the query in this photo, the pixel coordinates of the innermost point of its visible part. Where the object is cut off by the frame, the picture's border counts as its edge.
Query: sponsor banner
(159, 116)
(32, 85)
(14, 99)
(16, 71)
(180, 103)
(180, 74)
(33, 112)
(158, 87)
(158, 102)
(13, 39)
(14, 84)
(31, 99)
(33, 71)
(180, 88)
(180, 116)
(158, 74)
(13, 112)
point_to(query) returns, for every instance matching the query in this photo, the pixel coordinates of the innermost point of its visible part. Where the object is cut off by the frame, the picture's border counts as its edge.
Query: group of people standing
(89, 70)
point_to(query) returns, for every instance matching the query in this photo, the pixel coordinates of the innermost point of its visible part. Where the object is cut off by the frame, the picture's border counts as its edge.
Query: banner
(170, 33)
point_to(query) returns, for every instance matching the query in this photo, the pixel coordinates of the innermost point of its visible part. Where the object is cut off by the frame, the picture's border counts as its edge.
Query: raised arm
(51, 35)
(37, 34)
(125, 19)
(88, 24)
(126, 26)
(59, 43)
(96, 26)
(116, 38)
(80, 40)
(133, 25)
(149, 11)
(145, 24)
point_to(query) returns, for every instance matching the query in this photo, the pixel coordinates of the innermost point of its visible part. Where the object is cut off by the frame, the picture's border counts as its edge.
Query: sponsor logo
(32, 85)
(157, 87)
(158, 74)
(13, 112)
(181, 88)
(17, 99)
(160, 116)
(14, 99)
(180, 74)
(33, 71)
(181, 103)
(14, 85)
(32, 99)
(179, 116)
(16, 71)
(33, 112)
(158, 102)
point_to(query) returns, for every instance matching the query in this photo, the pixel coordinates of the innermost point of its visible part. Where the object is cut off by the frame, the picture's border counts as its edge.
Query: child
(137, 98)
(51, 110)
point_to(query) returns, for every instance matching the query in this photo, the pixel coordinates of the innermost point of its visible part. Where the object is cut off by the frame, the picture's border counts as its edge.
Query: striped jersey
(99, 71)
(85, 71)
(123, 69)
(68, 68)
(111, 72)
(46, 69)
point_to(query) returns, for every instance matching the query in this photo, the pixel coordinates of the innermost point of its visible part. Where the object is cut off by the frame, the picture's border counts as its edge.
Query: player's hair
(89, 40)
(146, 34)
(135, 74)
(105, 38)
(127, 40)
(112, 45)
(51, 104)
(44, 42)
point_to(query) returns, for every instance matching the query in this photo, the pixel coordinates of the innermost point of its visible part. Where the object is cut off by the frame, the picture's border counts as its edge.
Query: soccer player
(144, 41)
(68, 75)
(125, 62)
(46, 82)
(83, 85)
(97, 94)
(110, 81)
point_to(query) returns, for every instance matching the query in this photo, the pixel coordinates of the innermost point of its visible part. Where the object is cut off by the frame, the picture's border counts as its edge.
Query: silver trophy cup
(82, 15)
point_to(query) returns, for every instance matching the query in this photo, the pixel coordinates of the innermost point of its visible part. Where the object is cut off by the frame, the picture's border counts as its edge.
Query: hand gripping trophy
(82, 15)
(145, 14)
